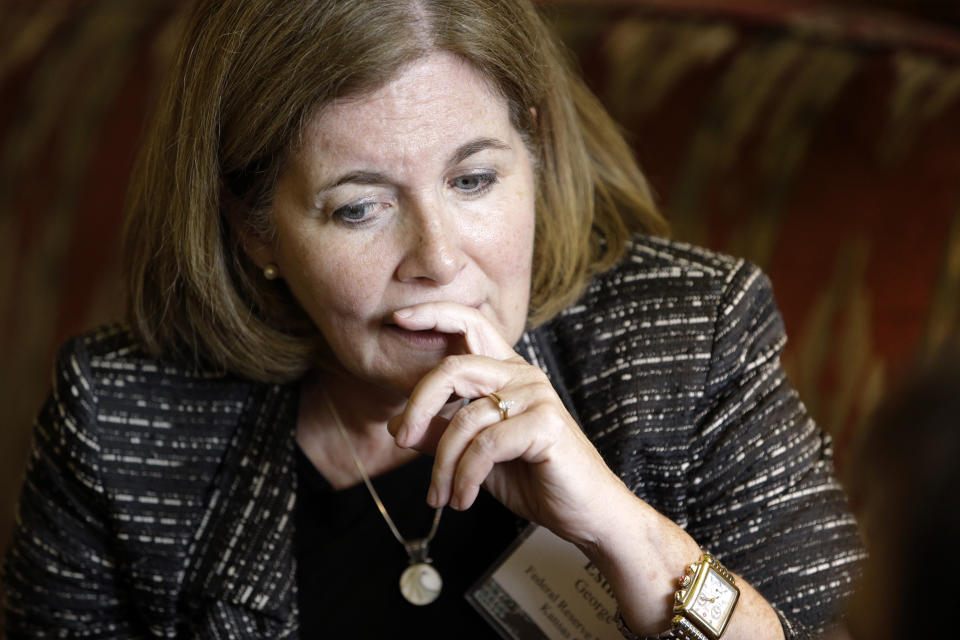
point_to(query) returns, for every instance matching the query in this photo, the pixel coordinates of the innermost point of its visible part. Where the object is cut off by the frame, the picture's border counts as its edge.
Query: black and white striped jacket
(158, 502)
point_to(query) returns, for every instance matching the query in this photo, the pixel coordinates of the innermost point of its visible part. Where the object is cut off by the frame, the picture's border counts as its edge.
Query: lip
(389, 315)
(387, 319)
(426, 340)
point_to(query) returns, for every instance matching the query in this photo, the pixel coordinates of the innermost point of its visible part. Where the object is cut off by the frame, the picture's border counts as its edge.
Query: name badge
(544, 587)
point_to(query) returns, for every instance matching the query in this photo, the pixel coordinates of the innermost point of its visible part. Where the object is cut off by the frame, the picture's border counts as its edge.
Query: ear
(251, 241)
(260, 252)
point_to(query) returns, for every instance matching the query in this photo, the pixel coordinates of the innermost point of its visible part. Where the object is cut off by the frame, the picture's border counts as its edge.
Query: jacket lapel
(241, 581)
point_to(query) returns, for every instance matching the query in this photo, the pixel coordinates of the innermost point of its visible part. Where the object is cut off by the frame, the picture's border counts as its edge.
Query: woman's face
(419, 192)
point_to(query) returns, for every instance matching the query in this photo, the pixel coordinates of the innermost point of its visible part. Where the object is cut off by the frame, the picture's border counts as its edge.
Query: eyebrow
(462, 152)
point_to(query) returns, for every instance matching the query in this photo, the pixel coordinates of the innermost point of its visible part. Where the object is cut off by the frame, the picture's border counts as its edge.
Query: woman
(366, 231)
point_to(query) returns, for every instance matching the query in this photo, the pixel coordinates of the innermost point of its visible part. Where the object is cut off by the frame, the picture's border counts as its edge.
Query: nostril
(435, 257)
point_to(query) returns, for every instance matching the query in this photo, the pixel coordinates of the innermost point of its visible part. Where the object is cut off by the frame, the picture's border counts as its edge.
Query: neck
(363, 408)
(364, 413)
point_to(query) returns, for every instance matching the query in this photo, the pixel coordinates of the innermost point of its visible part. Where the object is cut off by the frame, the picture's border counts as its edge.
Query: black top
(349, 563)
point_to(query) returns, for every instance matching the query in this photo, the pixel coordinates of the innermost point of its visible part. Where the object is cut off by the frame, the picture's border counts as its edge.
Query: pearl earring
(270, 272)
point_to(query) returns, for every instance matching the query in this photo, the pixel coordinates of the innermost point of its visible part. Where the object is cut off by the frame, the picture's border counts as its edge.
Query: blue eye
(355, 213)
(474, 183)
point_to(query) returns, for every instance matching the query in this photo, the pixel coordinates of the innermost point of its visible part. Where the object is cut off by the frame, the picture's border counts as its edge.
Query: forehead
(437, 102)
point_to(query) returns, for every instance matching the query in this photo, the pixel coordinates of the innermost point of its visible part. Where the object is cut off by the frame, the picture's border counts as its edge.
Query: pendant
(420, 583)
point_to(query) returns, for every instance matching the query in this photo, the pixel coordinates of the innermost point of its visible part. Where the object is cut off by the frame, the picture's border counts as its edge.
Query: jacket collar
(537, 348)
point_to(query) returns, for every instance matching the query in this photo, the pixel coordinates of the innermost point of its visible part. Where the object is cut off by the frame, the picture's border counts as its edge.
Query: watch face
(714, 601)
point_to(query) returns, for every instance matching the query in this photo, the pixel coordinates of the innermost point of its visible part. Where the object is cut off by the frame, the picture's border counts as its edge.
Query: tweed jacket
(158, 501)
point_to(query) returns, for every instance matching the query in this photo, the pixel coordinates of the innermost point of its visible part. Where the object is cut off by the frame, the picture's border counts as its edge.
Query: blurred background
(821, 140)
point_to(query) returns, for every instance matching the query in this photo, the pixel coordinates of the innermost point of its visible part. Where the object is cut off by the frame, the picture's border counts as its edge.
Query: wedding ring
(502, 405)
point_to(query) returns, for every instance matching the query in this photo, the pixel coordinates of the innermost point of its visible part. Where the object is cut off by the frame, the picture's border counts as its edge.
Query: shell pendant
(420, 583)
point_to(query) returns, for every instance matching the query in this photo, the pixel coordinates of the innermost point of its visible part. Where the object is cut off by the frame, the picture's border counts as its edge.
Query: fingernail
(455, 503)
(432, 497)
(401, 437)
(403, 313)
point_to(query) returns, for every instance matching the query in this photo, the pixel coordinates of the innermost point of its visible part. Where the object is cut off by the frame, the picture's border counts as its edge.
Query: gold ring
(502, 405)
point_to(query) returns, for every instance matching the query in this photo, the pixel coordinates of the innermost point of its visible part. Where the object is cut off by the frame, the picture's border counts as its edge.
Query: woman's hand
(537, 461)
(540, 465)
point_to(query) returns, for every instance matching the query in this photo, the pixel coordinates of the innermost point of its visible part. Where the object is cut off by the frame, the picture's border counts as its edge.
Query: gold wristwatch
(703, 604)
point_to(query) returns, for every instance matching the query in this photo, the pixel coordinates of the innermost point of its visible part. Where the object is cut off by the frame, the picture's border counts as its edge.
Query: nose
(433, 251)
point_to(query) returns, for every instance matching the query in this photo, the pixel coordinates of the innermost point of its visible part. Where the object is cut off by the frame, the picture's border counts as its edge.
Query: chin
(405, 383)
(390, 386)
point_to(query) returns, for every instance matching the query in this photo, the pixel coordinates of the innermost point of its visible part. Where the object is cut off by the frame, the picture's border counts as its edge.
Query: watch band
(681, 630)
(623, 628)
(684, 630)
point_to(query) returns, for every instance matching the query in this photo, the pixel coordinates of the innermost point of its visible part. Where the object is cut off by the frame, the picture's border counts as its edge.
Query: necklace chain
(417, 548)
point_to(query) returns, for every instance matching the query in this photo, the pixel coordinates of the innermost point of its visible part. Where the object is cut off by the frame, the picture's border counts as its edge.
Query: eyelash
(339, 213)
(486, 181)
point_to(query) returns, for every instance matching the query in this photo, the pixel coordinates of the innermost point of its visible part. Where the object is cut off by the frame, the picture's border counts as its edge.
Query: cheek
(515, 222)
(507, 248)
(510, 262)
(331, 283)
(519, 236)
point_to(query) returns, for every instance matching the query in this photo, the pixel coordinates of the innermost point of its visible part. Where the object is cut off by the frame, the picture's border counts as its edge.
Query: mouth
(427, 340)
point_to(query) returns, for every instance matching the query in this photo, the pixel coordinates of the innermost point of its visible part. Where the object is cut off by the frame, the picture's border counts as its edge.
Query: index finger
(481, 336)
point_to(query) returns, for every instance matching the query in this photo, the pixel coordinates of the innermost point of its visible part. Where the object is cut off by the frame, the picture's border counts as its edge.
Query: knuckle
(485, 443)
(533, 378)
(540, 377)
(467, 420)
(450, 364)
(439, 477)
(551, 424)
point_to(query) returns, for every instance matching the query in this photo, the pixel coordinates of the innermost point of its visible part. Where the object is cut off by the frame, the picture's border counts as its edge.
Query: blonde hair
(249, 75)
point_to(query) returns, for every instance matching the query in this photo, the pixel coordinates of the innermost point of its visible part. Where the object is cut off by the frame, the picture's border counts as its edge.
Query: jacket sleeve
(60, 577)
(763, 495)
